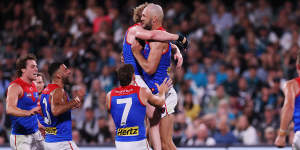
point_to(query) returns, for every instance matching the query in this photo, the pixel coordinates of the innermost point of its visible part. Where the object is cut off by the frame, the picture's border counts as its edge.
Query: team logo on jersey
(29, 94)
(130, 131)
(51, 130)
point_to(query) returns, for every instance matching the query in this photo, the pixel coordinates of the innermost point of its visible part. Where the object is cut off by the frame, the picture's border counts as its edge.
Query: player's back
(25, 125)
(128, 113)
(128, 55)
(58, 128)
(162, 69)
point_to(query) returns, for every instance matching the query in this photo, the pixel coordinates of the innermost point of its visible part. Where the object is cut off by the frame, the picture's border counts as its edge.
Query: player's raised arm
(59, 103)
(157, 100)
(290, 91)
(13, 93)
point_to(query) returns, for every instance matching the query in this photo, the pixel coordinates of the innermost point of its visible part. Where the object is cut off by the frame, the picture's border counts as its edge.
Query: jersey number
(47, 118)
(128, 102)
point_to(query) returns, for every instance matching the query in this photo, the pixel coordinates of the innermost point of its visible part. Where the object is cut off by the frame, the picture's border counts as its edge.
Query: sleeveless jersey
(58, 128)
(296, 116)
(162, 69)
(25, 125)
(128, 113)
(128, 55)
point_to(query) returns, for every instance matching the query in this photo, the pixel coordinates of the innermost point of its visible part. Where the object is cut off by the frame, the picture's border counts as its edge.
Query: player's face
(146, 20)
(39, 83)
(65, 72)
(31, 70)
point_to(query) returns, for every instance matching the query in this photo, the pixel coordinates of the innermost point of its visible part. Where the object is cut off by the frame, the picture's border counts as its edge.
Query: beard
(148, 25)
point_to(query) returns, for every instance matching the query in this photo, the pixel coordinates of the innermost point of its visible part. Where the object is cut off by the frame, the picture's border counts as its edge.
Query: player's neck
(59, 82)
(25, 79)
(156, 26)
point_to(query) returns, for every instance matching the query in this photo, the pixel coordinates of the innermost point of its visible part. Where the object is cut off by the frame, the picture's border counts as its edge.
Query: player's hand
(280, 141)
(34, 111)
(76, 102)
(165, 86)
(183, 42)
(42, 129)
(177, 56)
(136, 46)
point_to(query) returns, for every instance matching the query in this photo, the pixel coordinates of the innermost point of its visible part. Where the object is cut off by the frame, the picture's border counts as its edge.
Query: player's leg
(18, 142)
(167, 121)
(166, 132)
(153, 118)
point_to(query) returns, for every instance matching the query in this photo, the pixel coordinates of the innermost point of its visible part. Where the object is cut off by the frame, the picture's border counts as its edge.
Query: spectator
(244, 132)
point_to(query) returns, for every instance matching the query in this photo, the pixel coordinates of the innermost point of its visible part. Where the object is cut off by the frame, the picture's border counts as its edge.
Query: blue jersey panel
(58, 128)
(296, 116)
(129, 57)
(161, 71)
(128, 115)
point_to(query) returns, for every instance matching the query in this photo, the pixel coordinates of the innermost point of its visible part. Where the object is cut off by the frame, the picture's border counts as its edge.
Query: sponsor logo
(29, 95)
(130, 131)
(51, 130)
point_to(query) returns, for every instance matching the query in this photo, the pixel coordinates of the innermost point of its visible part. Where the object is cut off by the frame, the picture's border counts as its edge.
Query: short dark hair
(22, 63)
(53, 68)
(125, 74)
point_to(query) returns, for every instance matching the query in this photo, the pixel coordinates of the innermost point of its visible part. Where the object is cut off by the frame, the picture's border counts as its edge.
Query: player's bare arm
(150, 65)
(107, 104)
(59, 103)
(13, 93)
(156, 100)
(157, 35)
(177, 55)
(290, 92)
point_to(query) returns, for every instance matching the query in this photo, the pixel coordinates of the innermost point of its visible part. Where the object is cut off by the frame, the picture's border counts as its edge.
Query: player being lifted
(138, 32)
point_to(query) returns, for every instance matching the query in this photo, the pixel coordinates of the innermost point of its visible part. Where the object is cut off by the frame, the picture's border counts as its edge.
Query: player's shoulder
(14, 86)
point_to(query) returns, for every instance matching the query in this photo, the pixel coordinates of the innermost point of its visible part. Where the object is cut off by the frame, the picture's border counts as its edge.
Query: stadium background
(230, 86)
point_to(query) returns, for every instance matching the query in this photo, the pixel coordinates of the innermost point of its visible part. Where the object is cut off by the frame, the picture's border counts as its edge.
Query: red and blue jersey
(162, 69)
(296, 116)
(128, 113)
(58, 128)
(128, 55)
(25, 125)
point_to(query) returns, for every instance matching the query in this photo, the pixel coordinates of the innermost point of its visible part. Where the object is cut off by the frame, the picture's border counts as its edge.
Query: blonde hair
(137, 12)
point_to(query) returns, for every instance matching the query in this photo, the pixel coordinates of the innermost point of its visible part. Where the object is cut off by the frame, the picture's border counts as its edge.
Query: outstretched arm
(59, 103)
(157, 100)
(157, 35)
(290, 91)
(13, 93)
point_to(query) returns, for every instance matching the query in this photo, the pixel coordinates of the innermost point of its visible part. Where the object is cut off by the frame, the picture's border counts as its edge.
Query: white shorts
(139, 81)
(135, 145)
(171, 96)
(66, 145)
(171, 102)
(296, 141)
(33, 141)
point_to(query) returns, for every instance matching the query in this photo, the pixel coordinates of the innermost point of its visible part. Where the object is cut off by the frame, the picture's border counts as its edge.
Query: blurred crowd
(229, 87)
